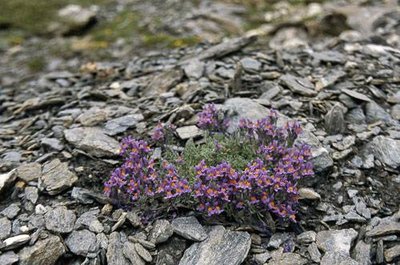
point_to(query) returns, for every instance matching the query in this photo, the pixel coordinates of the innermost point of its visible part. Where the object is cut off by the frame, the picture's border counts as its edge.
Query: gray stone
(315, 255)
(56, 177)
(386, 150)
(277, 239)
(74, 18)
(29, 172)
(121, 124)
(272, 89)
(32, 194)
(194, 69)
(8, 258)
(251, 65)
(306, 237)
(5, 227)
(336, 240)
(60, 220)
(144, 253)
(163, 82)
(161, 232)
(337, 258)
(115, 250)
(89, 220)
(52, 143)
(334, 120)
(375, 113)
(222, 247)
(92, 140)
(383, 229)
(14, 242)
(92, 117)
(392, 253)
(395, 112)
(171, 252)
(134, 219)
(262, 258)
(329, 79)
(43, 252)
(187, 132)
(362, 253)
(329, 56)
(288, 259)
(356, 116)
(82, 242)
(131, 254)
(356, 95)
(11, 211)
(361, 207)
(7, 179)
(299, 85)
(189, 228)
(309, 194)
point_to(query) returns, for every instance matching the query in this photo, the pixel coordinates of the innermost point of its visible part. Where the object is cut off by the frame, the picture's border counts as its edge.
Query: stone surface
(161, 232)
(334, 120)
(309, 194)
(121, 124)
(29, 172)
(336, 240)
(383, 229)
(82, 242)
(7, 179)
(392, 253)
(15, 242)
(337, 258)
(386, 150)
(250, 64)
(298, 85)
(43, 252)
(375, 113)
(288, 259)
(221, 247)
(56, 177)
(189, 228)
(188, 132)
(115, 250)
(362, 253)
(11, 211)
(8, 258)
(92, 140)
(5, 227)
(60, 220)
(130, 253)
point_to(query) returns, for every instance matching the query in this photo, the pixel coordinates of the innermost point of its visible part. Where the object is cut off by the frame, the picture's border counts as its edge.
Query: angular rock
(52, 143)
(222, 247)
(189, 228)
(362, 253)
(356, 95)
(306, 237)
(56, 177)
(187, 132)
(5, 227)
(383, 229)
(171, 252)
(131, 254)
(334, 120)
(392, 253)
(11, 211)
(8, 258)
(251, 65)
(277, 239)
(288, 259)
(121, 124)
(115, 250)
(144, 253)
(386, 150)
(163, 82)
(337, 258)
(29, 172)
(43, 252)
(162, 230)
(82, 242)
(309, 194)
(60, 220)
(336, 240)
(375, 113)
(7, 179)
(32, 194)
(194, 69)
(314, 252)
(299, 85)
(92, 140)
(14, 242)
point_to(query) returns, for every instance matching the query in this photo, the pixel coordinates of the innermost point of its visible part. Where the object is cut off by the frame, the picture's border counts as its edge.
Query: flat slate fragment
(299, 85)
(189, 228)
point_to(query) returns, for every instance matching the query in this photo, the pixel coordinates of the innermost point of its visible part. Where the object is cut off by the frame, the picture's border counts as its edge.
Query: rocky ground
(335, 68)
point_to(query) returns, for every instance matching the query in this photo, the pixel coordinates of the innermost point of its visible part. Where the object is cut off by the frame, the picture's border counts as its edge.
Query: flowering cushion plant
(255, 169)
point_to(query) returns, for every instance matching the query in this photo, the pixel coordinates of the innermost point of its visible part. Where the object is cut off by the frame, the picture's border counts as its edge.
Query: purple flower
(211, 119)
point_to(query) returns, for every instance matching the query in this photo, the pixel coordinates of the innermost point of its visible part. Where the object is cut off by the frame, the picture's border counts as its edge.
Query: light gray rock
(336, 240)
(14, 242)
(309, 194)
(362, 253)
(392, 253)
(82, 242)
(187, 132)
(7, 179)
(115, 250)
(11, 211)
(89, 220)
(144, 253)
(32, 194)
(334, 120)
(251, 65)
(60, 220)
(194, 69)
(383, 229)
(131, 254)
(189, 228)
(161, 232)
(92, 117)
(375, 113)
(52, 143)
(288, 259)
(5, 227)
(337, 258)
(222, 247)
(386, 150)
(298, 85)
(74, 18)
(92, 140)
(43, 252)
(306, 237)
(315, 255)
(395, 111)
(56, 177)
(121, 124)
(277, 239)
(134, 219)
(29, 172)
(8, 258)
(171, 252)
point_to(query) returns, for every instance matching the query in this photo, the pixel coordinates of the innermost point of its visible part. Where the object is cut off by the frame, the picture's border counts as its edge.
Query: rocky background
(76, 77)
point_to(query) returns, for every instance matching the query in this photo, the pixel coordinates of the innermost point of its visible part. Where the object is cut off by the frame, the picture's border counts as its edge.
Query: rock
(121, 124)
(329, 79)
(14, 242)
(194, 69)
(134, 219)
(56, 177)
(121, 220)
(361, 207)
(288, 259)
(336, 240)
(82, 242)
(163, 82)
(8, 258)
(43, 252)
(32, 194)
(187, 132)
(299, 85)
(362, 253)
(143, 252)
(7, 179)
(386, 150)
(314, 252)
(171, 252)
(309, 194)
(306, 237)
(115, 250)
(92, 140)
(60, 220)
(220, 248)
(89, 220)
(92, 117)
(189, 228)
(356, 95)
(52, 143)
(337, 258)
(375, 113)
(11, 211)
(356, 116)
(392, 253)
(5, 227)
(383, 229)
(29, 172)
(10, 159)
(334, 120)
(74, 19)
(395, 111)
(329, 56)
(277, 239)
(251, 65)
(162, 230)
(131, 254)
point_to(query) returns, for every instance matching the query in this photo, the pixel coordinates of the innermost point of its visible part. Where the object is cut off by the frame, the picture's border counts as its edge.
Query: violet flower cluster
(267, 184)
